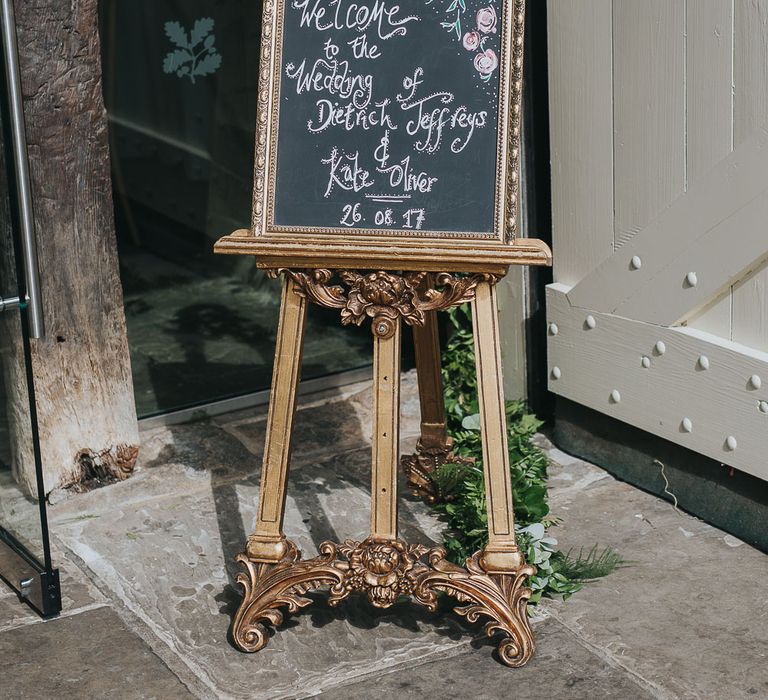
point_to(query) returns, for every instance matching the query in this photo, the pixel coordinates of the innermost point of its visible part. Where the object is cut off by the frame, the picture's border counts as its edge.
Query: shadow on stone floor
(193, 444)
(357, 612)
(163, 544)
(160, 547)
(326, 440)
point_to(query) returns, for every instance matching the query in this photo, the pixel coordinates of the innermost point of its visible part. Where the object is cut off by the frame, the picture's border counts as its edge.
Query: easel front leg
(267, 544)
(386, 427)
(501, 555)
(501, 559)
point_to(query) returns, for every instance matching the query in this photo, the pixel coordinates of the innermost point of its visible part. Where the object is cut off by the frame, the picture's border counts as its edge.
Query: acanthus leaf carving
(385, 569)
(383, 296)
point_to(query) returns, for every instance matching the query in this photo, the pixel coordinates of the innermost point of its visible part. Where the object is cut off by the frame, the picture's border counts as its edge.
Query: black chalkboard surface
(386, 119)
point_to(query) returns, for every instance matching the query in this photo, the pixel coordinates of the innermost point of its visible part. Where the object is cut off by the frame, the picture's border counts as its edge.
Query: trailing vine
(461, 486)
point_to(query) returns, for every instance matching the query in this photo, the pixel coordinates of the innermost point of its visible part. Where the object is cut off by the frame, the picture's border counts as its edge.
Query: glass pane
(180, 83)
(19, 505)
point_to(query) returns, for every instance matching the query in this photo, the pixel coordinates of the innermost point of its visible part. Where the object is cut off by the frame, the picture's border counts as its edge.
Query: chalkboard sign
(382, 118)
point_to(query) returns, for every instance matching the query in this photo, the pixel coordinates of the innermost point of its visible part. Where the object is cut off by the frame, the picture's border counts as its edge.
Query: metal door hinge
(10, 303)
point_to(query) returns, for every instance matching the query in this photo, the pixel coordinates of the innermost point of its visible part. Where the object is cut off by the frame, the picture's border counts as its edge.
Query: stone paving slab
(90, 655)
(175, 459)
(684, 620)
(688, 614)
(77, 594)
(169, 561)
(561, 669)
(316, 398)
(336, 427)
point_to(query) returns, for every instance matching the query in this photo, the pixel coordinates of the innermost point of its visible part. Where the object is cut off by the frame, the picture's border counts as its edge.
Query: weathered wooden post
(81, 366)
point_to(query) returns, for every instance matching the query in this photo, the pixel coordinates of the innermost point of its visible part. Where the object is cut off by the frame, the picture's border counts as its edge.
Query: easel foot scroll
(384, 570)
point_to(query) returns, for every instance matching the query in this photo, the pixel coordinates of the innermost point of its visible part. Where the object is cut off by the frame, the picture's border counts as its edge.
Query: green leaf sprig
(195, 54)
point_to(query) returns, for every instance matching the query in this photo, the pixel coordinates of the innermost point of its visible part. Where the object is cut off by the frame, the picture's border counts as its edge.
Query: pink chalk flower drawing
(485, 63)
(486, 20)
(471, 41)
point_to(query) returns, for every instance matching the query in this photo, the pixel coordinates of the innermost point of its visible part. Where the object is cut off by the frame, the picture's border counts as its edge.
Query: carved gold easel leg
(268, 546)
(428, 371)
(502, 553)
(501, 558)
(434, 447)
(386, 427)
(267, 543)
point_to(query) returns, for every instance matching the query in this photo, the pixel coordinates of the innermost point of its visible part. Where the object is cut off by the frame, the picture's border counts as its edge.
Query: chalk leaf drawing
(195, 54)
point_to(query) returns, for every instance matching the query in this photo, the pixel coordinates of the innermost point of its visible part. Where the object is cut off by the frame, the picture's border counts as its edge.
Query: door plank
(750, 310)
(735, 183)
(709, 114)
(708, 85)
(750, 85)
(581, 128)
(649, 110)
(718, 258)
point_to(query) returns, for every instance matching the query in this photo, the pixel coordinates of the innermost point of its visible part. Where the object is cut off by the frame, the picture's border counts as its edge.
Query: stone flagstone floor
(147, 578)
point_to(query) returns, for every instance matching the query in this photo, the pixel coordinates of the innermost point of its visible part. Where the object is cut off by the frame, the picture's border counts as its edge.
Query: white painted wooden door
(659, 133)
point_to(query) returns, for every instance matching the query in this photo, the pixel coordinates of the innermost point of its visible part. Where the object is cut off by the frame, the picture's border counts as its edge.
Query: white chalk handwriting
(342, 86)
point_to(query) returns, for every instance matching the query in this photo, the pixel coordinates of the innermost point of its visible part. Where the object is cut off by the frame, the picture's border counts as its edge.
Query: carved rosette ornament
(382, 569)
(385, 569)
(383, 296)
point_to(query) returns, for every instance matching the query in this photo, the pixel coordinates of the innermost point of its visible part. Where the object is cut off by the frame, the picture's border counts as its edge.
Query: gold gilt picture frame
(267, 156)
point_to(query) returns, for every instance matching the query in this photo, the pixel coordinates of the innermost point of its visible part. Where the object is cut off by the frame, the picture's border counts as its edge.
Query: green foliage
(461, 485)
(595, 564)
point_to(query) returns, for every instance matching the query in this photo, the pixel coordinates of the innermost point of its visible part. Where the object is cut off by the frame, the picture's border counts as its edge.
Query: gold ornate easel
(492, 585)
(390, 276)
